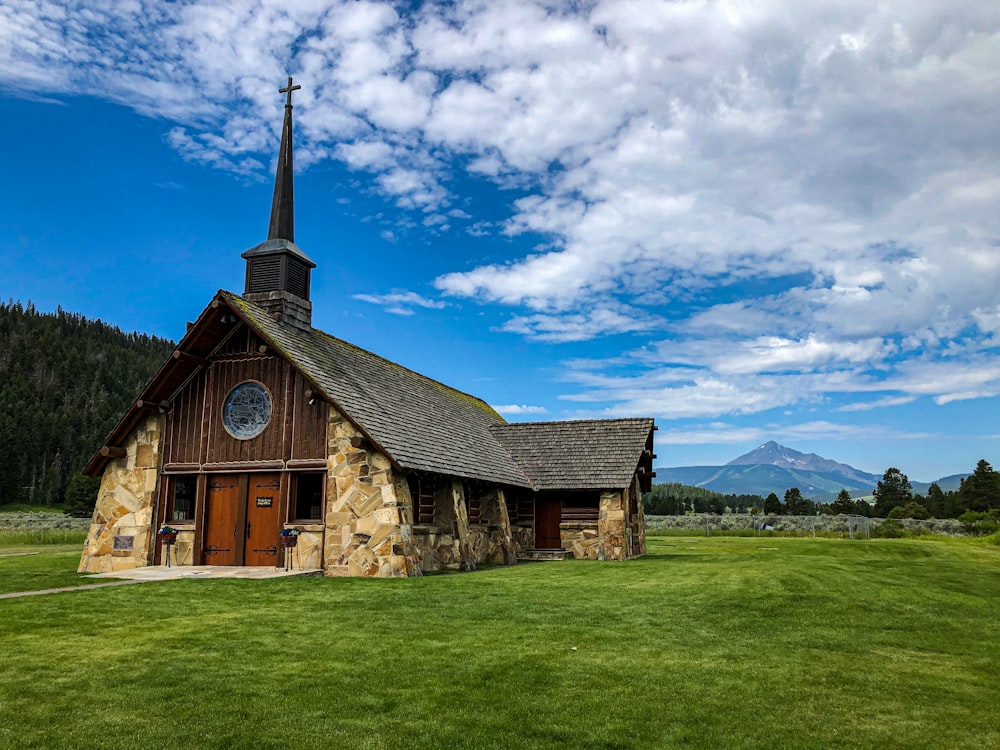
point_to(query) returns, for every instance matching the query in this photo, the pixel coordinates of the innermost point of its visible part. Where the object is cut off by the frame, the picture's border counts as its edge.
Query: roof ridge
(578, 421)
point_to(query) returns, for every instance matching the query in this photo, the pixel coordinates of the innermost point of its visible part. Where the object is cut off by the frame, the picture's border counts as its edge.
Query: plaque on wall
(124, 542)
(264, 502)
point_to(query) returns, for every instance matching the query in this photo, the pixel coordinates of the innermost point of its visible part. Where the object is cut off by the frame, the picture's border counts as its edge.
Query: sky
(750, 220)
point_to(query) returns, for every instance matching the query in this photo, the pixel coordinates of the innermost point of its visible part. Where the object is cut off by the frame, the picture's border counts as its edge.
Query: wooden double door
(243, 520)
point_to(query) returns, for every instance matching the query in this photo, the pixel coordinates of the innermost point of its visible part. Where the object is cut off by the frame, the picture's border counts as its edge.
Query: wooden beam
(113, 451)
(188, 357)
(161, 406)
(357, 441)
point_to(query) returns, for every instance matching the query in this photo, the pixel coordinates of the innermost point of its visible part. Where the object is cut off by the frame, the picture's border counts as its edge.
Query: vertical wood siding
(195, 433)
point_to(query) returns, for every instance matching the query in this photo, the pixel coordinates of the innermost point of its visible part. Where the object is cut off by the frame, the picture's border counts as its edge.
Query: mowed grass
(714, 643)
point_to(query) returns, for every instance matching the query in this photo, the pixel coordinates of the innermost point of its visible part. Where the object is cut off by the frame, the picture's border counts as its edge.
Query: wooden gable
(220, 351)
(195, 438)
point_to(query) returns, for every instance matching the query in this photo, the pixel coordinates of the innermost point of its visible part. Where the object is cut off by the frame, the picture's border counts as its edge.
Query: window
(309, 497)
(422, 492)
(182, 500)
(520, 505)
(473, 492)
(581, 505)
(246, 410)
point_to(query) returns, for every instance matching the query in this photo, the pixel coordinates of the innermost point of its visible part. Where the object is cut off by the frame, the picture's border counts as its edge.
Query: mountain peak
(774, 454)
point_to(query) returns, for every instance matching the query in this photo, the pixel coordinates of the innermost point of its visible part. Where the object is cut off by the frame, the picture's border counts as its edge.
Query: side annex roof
(577, 454)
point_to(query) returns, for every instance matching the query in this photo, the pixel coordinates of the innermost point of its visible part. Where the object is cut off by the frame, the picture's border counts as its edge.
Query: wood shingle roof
(421, 423)
(580, 454)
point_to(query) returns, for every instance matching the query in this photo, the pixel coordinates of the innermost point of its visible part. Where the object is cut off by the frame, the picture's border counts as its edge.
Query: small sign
(124, 542)
(264, 502)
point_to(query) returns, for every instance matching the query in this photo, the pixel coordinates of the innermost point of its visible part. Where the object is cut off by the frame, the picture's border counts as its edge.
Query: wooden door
(548, 513)
(223, 540)
(263, 519)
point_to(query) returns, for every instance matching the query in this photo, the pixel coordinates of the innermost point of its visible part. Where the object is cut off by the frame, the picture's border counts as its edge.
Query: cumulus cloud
(793, 206)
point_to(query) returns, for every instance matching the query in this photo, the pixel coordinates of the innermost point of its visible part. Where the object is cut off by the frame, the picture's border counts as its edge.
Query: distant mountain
(772, 454)
(776, 468)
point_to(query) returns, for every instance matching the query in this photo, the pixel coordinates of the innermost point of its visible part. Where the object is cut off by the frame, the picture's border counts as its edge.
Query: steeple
(277, 276)
(282, 205)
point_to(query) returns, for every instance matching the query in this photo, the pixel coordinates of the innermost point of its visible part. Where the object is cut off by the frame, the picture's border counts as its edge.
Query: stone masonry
(367, 533)
(453, 543)
(125, 504)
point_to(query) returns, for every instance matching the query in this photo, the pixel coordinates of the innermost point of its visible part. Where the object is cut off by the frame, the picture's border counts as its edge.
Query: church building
(260, 424)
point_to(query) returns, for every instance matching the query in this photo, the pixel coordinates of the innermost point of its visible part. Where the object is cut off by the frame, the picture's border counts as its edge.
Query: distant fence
(747, 522)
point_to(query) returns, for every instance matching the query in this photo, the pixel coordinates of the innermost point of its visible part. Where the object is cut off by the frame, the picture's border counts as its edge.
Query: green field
(715, 643)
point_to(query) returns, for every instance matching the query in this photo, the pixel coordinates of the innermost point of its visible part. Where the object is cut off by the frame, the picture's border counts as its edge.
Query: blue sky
(750, 225)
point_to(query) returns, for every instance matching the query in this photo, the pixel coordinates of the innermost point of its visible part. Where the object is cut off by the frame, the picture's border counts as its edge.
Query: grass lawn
(710, 642)
(34, 567)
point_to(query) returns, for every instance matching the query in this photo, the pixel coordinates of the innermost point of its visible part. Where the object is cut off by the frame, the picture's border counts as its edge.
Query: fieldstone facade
(452, 542)
(368, 527)
(367, 533)
(121, 531)
(617, 534)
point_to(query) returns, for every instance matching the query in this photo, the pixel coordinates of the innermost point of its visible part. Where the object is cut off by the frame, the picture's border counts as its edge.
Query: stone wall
(611, 526)
(367, 532)
(453, 543)
(307, 554)
(523, 537)
(581, 539)
(637, 521)
(125, 504)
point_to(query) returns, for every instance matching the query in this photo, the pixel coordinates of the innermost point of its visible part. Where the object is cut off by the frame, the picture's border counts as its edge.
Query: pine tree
(843, 503)
(980, 492)
(894, 489)
(795, 504)
(64, 383)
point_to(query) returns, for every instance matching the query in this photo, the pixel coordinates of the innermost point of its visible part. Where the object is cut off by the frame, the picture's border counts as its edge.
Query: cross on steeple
(289, 89)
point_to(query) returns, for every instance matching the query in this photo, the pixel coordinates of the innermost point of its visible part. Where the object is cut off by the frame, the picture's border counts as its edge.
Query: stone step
(542, 555)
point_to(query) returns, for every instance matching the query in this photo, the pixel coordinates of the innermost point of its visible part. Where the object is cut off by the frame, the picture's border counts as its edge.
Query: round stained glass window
(246, 410)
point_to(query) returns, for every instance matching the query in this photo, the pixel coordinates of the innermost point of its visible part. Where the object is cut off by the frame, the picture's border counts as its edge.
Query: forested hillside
(64, 383)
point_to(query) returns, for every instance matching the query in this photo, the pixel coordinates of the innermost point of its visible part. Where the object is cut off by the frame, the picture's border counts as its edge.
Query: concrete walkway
(162, 573)
(173, 573)
(17, 594)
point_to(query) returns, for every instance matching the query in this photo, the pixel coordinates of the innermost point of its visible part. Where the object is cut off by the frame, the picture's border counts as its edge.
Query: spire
(282, 225)
(277, 275)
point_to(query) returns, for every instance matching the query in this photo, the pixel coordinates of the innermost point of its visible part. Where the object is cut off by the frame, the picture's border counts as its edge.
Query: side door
(548, 514)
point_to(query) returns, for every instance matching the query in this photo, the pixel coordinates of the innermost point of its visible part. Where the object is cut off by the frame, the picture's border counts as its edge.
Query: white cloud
(581, 326)
(518, 409)
(401, 302)
(799, 206)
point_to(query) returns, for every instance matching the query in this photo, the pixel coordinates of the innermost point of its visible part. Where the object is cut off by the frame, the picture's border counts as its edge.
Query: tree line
(65, 381)
(976, 500)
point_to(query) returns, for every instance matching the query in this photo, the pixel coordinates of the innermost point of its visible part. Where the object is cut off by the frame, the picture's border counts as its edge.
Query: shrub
(912, 509)
(890, 528)
(977, 522)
